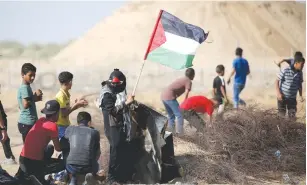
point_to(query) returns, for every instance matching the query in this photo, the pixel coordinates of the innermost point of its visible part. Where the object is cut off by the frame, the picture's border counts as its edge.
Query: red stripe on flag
(153, 35)
(159, 37)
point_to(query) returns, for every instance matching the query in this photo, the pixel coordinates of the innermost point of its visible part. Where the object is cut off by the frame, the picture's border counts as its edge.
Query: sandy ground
(182, 146)
(267, 31)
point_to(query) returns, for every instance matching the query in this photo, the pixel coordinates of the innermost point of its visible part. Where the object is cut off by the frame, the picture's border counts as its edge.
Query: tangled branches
(249, 139)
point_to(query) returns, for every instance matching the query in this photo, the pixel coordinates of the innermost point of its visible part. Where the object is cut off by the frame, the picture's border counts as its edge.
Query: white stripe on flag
(179, 44)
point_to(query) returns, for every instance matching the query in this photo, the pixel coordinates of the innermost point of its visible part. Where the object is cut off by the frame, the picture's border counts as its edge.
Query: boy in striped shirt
(288, 82)
(290, 61)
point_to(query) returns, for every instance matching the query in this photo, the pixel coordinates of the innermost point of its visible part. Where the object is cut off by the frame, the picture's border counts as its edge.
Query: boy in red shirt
(36, 149)
(199, 104)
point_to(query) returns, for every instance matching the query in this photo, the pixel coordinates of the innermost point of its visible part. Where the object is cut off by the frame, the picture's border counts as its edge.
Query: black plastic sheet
(150, 166)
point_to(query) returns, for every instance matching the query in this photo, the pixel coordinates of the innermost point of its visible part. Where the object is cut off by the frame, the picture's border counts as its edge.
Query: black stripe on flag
(176, 26)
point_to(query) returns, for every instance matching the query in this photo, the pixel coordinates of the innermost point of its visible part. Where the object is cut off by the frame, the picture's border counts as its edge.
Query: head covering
(117, 81)
(51, 107)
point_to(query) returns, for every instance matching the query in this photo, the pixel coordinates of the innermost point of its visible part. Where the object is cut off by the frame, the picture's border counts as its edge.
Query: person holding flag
(114, 104)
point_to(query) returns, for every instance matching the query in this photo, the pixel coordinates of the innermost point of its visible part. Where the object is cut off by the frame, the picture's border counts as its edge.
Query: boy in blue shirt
(241, 70)
(26, 100)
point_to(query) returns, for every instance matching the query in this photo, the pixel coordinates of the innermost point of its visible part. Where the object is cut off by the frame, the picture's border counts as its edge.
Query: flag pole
(138, 79)
(147, 51)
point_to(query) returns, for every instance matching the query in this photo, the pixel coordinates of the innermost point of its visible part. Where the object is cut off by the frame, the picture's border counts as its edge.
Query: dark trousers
(33, 167)
(24, 130)
(6, 145)
(64, 143)
(119, 168)
(287, 104)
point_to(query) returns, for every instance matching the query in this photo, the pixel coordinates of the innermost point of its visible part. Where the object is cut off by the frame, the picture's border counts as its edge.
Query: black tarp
(157, 154)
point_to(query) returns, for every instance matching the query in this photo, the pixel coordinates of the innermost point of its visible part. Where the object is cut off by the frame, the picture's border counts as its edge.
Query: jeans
(6, 144)
(74, 170)
(173, 110)
(62, 130)
(237, 89)
(24, 130)
(287, 104)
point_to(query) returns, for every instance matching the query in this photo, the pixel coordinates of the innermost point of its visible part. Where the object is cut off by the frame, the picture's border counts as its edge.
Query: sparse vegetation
(14, 49)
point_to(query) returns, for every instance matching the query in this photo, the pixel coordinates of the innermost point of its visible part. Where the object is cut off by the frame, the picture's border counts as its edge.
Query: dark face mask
(117, 88)
(117, 81)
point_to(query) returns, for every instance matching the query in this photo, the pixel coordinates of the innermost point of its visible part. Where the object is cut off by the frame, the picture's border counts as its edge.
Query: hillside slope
(267, 31)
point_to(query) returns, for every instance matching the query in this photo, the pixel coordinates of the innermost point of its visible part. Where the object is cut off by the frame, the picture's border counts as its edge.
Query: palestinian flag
(174, 42)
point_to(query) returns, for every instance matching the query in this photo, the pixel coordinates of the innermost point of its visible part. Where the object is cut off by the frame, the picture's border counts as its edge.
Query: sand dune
(267, 31)
(262, 29)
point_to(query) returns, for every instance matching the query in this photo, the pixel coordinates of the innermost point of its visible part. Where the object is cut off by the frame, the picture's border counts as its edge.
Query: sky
(53, 21)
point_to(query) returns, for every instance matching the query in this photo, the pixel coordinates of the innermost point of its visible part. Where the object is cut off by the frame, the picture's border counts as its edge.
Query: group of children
(83, 150)
(202, 104)
(80, 145)
(288, 83)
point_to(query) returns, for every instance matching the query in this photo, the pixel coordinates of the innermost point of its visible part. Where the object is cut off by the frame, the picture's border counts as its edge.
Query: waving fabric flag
(174, 42)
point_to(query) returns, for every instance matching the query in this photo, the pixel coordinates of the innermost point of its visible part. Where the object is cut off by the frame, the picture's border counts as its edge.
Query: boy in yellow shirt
(63, 97)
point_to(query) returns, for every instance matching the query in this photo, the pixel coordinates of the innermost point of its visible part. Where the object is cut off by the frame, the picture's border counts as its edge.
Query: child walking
(219, 89)
(289, 82)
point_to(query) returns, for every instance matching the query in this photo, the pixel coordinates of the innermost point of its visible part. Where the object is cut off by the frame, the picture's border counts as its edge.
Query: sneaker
(9, 161)
(89, 179)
